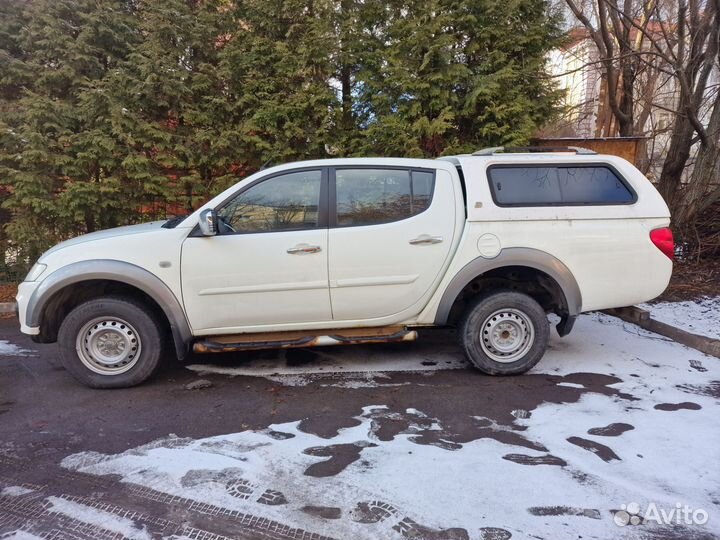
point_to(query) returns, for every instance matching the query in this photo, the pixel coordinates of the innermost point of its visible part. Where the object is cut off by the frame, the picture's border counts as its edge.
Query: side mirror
(208, 222)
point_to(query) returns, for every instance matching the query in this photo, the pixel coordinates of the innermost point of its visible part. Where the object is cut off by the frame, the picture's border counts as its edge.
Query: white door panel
(231, 281)
(380, 270)
(613, 261)
(268, 265)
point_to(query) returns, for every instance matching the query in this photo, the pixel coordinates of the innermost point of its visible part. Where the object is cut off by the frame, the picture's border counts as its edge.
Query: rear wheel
(110, 343)
(504, 333)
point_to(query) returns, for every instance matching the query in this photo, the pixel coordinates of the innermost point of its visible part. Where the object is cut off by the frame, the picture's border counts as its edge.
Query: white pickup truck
(364, 250)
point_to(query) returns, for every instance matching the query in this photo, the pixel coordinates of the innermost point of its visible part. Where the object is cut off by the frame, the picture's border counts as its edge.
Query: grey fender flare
(122, 272)
(528, 257)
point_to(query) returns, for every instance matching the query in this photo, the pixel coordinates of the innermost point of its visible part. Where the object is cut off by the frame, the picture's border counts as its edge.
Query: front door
(268, 264)
(391, 230)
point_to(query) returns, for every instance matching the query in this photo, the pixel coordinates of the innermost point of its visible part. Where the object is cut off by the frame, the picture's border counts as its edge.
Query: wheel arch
(112, 271)
(512, 257)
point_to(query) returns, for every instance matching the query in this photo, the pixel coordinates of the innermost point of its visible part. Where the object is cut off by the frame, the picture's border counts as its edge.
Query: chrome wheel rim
(507, 335)
(108, 345)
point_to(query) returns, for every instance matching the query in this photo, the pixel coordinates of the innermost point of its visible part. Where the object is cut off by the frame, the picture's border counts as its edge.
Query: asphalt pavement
(384, 441)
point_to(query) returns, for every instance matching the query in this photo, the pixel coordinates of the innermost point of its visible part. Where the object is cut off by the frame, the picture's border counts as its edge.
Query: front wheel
(110, 343)
(504, 333)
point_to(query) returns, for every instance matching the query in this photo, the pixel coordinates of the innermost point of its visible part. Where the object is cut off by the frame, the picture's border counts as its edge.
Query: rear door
(391, 230)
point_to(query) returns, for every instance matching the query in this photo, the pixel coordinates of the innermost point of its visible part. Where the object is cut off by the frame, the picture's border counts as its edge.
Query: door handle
(303, 249)
(426, 239)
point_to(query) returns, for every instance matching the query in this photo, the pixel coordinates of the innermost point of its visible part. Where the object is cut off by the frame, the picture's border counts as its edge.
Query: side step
(303, 338)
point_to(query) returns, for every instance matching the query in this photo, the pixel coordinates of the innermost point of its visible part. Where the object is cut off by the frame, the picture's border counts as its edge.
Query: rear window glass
(374, 196)
(557, 185)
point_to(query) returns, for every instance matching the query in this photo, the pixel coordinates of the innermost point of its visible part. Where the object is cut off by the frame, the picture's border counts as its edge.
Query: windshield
(174, 221)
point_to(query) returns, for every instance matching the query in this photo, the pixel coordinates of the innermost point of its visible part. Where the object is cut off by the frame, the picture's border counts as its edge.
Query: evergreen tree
(57, 150)
(13, 75)
(113, 111)
(171, 102)
(278, 70)
(444, 76)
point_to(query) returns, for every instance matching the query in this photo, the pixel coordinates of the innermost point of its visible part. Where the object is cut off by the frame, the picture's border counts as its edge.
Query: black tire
(519, 323)
(135, 321)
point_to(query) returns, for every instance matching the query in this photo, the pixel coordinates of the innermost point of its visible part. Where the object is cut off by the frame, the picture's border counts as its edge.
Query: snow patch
(10, 349)
(289, 380)
(99, 518)
(571, 385)
(356, 361)
(418, 473)
(21, 535)
(15, 491)
(355, 384)
(698, 317)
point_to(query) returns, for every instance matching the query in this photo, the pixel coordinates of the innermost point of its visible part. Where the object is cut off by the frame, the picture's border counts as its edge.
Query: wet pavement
(368, 442)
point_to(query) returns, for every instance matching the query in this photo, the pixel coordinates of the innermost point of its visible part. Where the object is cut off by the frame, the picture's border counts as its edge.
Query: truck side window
(286, 202)
(374, 196)
(557, 185)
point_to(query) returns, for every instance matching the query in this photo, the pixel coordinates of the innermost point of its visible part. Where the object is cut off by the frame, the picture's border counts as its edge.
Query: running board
(301, 338)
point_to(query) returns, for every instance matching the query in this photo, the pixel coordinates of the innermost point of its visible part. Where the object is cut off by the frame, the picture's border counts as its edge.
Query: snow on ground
(697, 316)
(354, 363)
(10, 349)
(653, 438)
(103, 520)
(21, 535)
(14, 491)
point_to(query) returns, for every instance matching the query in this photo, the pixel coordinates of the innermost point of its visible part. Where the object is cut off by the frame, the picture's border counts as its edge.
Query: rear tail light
(663, 240)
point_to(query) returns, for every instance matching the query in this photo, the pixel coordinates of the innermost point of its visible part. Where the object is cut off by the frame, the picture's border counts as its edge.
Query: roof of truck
(540, 153)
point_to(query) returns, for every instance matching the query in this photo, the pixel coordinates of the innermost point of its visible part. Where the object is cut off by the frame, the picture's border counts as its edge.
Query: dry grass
(693, 280)
(7, 293)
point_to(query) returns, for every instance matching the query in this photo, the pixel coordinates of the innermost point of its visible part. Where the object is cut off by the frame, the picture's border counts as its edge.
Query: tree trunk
(700, 192)
(677, 156)
(625, 119)
(346, 121)
(346, 91)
